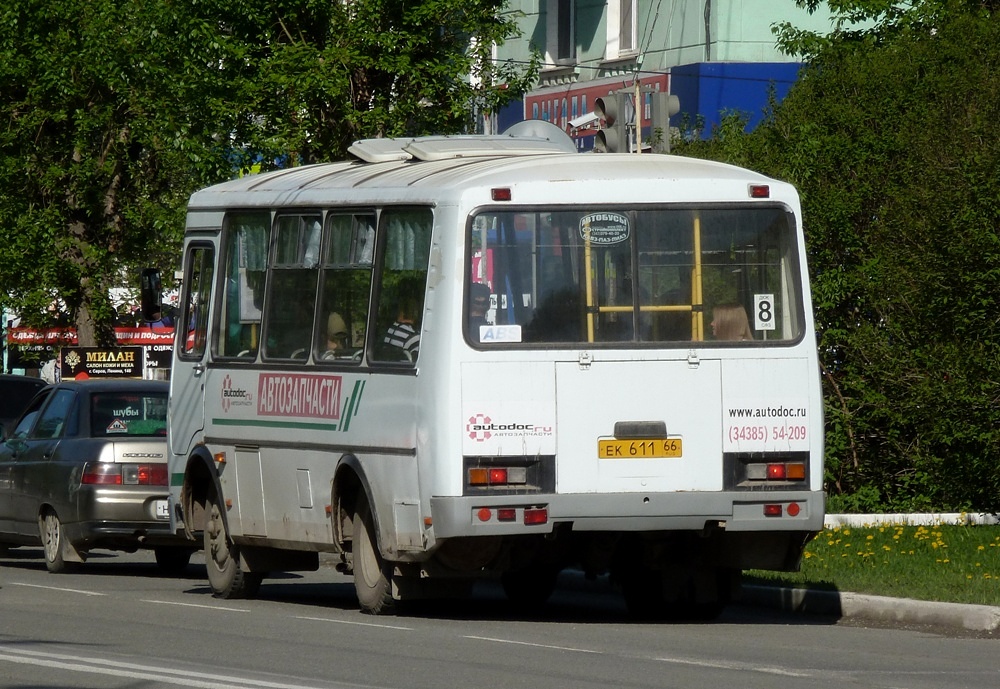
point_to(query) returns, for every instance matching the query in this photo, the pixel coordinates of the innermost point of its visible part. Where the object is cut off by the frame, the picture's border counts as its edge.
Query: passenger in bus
(403, 332)
(336, 336)
(479, 304)
(729, 322)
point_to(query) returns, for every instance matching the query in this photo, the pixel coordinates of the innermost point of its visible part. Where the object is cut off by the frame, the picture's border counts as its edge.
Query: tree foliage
(116, 110)
(892, 135)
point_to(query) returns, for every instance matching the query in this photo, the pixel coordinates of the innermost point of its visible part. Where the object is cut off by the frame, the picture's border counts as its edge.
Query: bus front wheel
(372, 576)
(222, 559)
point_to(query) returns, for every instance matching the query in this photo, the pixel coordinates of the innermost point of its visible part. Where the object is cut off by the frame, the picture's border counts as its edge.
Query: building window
(561, 31)
(621, 28)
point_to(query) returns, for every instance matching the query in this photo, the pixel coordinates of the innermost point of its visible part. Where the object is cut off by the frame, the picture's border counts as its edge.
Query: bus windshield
(616, 275)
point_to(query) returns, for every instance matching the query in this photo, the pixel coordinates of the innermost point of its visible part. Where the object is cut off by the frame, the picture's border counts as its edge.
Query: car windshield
(128, 413)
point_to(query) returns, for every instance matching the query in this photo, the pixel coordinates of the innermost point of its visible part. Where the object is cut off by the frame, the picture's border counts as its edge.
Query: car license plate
(162, 509)
(640, 448)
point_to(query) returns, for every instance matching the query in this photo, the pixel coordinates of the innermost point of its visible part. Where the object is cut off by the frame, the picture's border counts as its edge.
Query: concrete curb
(978, 618)
(923, 519)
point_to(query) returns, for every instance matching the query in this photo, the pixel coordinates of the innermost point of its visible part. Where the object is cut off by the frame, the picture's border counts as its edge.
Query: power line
(730, 77)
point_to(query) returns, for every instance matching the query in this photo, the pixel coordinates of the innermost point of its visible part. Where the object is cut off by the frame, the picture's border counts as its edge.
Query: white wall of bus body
(570, 178)
(779, 383)
(290, 457)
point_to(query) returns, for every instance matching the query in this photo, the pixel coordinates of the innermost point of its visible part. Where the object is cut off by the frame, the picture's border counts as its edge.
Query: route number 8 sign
(763, 311)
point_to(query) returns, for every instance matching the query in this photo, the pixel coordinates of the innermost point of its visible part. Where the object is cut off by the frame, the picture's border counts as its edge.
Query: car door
(10, 452)
(32, 481)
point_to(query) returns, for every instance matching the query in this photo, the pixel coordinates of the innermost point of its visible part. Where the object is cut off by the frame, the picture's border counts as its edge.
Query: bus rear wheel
(530, 587)
(677, 594)
(372, 576)
(226, 577)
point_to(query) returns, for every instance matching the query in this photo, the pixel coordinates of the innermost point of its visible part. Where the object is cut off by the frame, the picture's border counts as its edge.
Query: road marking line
(186, 678)
(195, 605)
(359, 624)
(56, 588)
(742, 667)
(528, 643)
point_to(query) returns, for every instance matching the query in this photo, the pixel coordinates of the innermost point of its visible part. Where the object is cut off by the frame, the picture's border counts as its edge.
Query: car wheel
(372, 577)
(172, 560)
(222, 559)
(53, 541)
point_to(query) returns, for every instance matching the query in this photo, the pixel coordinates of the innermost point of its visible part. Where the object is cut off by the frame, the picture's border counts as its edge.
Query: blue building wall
(711, 89)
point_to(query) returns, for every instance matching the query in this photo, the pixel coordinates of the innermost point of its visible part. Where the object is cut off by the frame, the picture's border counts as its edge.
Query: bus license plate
(639, 448)
(162, 509)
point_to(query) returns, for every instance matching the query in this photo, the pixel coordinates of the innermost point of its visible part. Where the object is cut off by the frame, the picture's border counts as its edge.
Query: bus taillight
(536, 515)
(497, 476)
(777, 471)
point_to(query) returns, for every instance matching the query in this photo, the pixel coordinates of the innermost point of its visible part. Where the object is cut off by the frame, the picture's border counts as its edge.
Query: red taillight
(775, 471)
(772, 510)
(759, 191)
(102, 474)
(498, 476)
(111, 474)
(536, 515)
(144, 474)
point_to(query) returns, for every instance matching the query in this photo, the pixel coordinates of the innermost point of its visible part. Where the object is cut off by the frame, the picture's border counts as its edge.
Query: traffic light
(613, 136)
(664, 105)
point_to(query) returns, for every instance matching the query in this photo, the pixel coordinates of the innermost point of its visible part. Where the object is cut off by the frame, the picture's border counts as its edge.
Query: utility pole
(638, 116)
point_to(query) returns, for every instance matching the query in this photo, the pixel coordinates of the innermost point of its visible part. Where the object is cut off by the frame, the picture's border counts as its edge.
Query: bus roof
(438, 168)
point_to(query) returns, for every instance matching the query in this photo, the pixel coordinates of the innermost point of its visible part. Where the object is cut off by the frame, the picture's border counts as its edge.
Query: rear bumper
(121, 535)
(731, 511)
(122, 518)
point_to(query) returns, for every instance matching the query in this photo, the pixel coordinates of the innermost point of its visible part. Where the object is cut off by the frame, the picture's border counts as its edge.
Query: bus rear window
(616, 275)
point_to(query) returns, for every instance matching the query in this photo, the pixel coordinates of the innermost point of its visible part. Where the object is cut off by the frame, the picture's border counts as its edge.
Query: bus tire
(530, 587)
(671, 594)
(226, 577)
(372, 576)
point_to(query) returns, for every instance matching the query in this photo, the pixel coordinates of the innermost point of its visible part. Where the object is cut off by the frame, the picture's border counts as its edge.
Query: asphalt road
(118, 623)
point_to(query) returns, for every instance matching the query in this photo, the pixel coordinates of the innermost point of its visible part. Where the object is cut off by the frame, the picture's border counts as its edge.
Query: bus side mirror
(150, 294)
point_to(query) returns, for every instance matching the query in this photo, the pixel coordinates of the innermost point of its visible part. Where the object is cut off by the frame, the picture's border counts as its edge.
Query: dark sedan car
(15, 393)
(85, 468)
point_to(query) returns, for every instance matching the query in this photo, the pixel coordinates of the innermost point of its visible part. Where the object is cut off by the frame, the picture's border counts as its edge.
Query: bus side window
(402, 282)
(193, 326)
(246, 241)
(345, 287)
(288, 322)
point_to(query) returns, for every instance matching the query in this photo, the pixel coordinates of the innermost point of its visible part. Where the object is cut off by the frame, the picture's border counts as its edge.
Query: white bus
(453, 358)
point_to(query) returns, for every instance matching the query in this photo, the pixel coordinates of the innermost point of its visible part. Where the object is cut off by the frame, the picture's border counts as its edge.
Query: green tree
(116, 111)
(892, 135)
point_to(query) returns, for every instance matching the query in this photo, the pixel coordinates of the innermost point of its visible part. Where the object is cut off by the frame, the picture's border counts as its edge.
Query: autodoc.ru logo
(234, 396)
(481, 428)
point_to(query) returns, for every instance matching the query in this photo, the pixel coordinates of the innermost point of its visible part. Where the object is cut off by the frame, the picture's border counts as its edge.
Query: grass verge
(956, 564)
